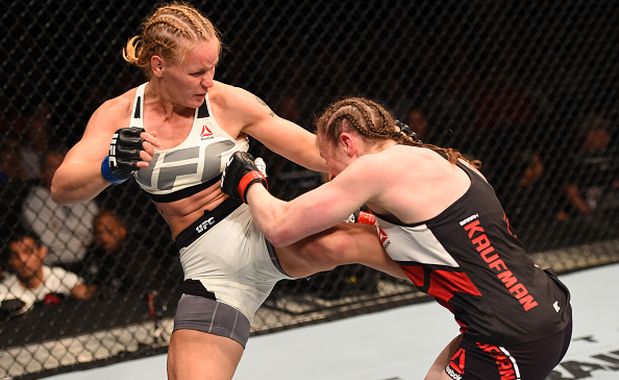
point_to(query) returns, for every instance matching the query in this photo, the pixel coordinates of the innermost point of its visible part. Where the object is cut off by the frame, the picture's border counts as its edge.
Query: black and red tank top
(470, 261)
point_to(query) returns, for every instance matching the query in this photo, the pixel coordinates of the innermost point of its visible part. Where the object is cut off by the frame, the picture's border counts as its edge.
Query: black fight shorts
(475, 360)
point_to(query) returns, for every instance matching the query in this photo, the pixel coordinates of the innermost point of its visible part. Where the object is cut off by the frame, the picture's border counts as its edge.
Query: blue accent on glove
(107, 174)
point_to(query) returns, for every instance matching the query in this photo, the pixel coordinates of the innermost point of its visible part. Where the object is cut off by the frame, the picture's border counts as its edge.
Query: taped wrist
(361, 217)
(249, 179)
(107, 174)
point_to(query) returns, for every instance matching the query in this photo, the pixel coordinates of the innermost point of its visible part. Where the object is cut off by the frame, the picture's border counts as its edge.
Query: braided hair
(375, 124)
(166, 33)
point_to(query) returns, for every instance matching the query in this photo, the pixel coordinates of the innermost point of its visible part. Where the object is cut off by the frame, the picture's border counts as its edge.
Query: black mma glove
(14, 307)
(239, 174)
(123, 156)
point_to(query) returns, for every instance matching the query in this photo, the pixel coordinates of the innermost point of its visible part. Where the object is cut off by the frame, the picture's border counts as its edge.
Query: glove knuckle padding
(125, 151)
(239, 174)
(127, 155)
(130, 137)
(130, 132)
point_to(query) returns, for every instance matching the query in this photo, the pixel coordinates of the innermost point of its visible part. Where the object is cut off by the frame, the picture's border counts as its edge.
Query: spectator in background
(289, 108)
(516, 175)
(528, 197)
(66, 230)
(13, 185)
(31, 281)
(504, 102)
(593, 170)
(111, 262)
(28, 133)
(34, 140)
(417, 120)
(11, 170)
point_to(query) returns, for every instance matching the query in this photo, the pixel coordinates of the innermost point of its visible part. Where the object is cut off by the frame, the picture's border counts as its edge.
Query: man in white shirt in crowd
(31, 281)
(65, 230)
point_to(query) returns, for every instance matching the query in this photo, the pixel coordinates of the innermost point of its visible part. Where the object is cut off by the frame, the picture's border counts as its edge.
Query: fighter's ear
(42, 252)
(157, 65)
(348, 143)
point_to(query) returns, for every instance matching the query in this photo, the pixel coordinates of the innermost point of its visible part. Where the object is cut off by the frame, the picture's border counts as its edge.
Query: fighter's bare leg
(344, 244)
(437, 370)
(199, 355)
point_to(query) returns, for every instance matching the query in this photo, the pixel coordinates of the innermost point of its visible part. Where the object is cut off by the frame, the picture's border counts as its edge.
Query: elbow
(58, 193)
(273, 220)
(276, 237)
(56, 196)
(279, 235)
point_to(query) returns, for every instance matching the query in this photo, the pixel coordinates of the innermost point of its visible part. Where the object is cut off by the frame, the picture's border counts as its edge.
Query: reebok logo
(205, 132)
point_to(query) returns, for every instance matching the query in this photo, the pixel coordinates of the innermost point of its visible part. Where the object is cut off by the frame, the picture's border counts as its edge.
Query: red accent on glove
(366, 218)
(51, 299)
(248, 179)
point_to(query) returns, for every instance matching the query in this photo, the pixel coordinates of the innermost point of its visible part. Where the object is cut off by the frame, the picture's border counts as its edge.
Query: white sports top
(191, 166)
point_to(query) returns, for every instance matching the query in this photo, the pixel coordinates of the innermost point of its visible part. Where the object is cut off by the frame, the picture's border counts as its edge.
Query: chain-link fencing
(529, 88)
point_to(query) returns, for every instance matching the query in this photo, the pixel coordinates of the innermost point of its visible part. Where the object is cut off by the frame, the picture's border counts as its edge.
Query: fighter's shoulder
(402, 153)
(376, 163)
(417, 155)
(115, 110)
(228, 96)
(392, 160)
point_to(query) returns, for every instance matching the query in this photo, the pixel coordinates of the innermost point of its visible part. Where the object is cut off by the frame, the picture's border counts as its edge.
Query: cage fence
(528, 88)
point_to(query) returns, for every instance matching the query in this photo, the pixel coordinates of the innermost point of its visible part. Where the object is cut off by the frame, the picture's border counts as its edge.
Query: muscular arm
(284, 223)
(79, 176)
(279, 135)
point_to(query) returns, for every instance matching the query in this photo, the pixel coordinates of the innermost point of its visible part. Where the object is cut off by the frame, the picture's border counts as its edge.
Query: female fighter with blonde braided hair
(173, 135)
(442, 223)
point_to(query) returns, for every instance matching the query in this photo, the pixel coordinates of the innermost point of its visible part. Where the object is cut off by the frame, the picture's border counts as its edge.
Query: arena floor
(400, 344)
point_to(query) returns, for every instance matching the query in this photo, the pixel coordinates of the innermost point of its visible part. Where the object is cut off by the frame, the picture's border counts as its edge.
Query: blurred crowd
(100, 249)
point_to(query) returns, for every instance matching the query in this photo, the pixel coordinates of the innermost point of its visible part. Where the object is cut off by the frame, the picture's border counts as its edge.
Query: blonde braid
(330, 124)
(167, 32)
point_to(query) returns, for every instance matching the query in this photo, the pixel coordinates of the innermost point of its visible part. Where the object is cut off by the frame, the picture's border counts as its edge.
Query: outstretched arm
(278, 134)
(284, 223)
